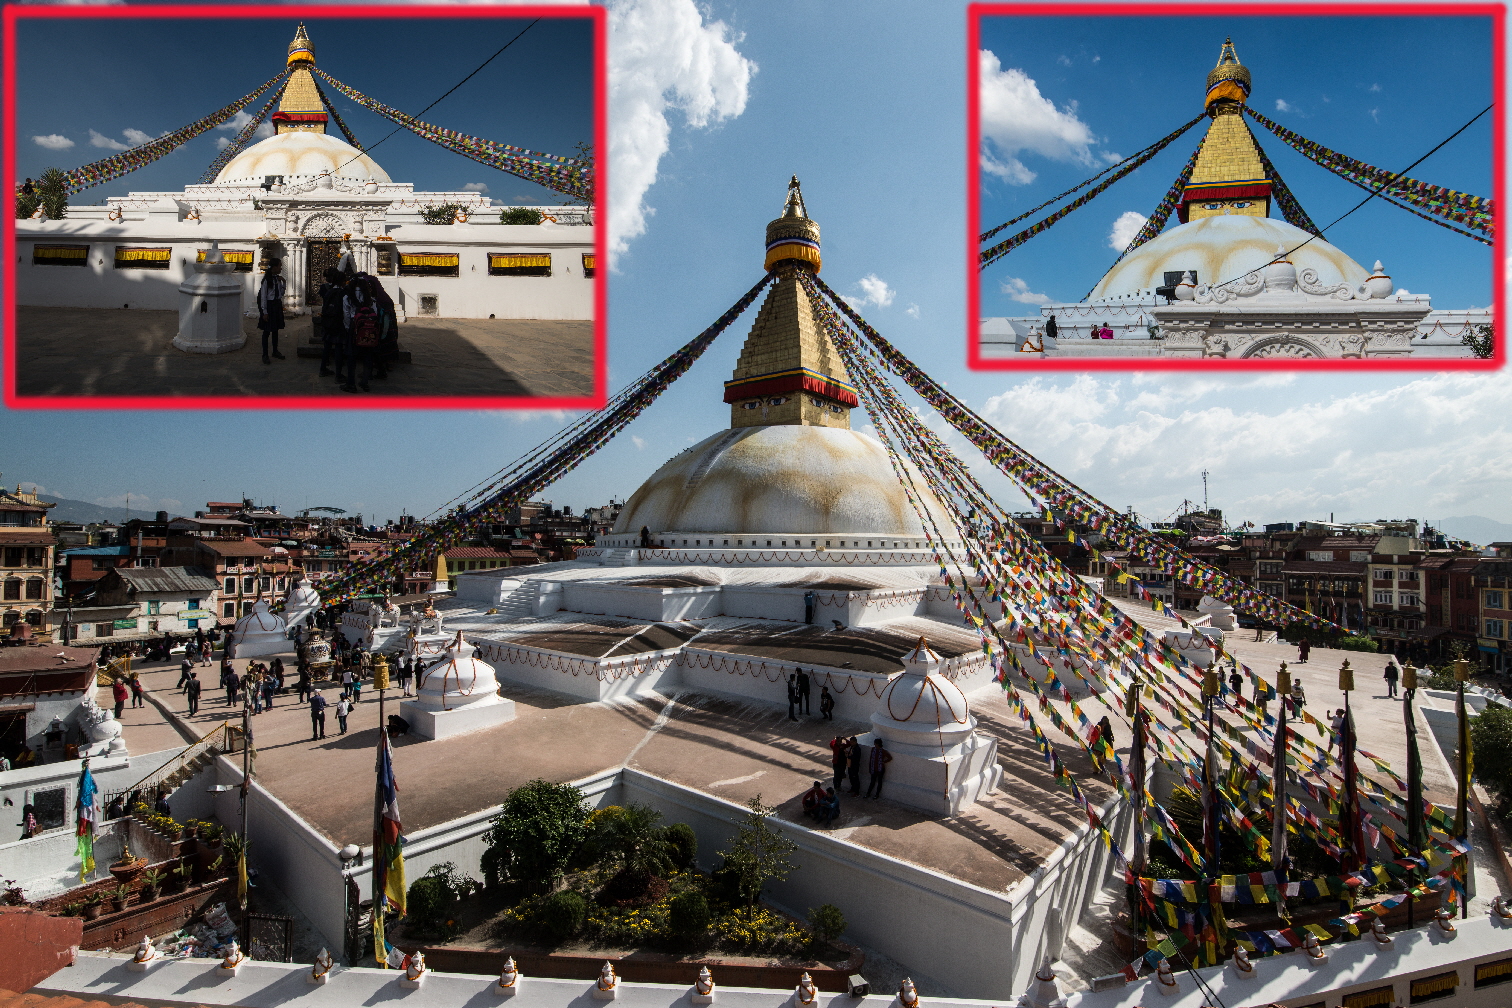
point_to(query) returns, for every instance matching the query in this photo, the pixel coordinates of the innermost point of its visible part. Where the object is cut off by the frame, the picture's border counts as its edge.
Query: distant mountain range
(85, 512)
(1475, 528)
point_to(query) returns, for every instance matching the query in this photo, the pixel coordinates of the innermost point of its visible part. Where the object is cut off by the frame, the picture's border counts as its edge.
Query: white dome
(783, 479)
(919, 707)
(259, 621)
(458, 680)
(300, 154)
(1220, 249)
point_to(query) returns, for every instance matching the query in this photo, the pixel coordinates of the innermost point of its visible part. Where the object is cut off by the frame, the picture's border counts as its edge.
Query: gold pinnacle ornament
(1409, 678)
(1346, 677)
(1283, 680)
(380, 672)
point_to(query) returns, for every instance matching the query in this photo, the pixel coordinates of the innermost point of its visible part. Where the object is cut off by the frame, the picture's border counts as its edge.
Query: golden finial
(301, 50)
(793, 238)
(1229, 80)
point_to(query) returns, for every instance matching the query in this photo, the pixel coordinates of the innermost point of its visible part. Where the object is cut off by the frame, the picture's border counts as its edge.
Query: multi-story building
(26, 563)
(243, 569)
(160, 600)
(1493, 589)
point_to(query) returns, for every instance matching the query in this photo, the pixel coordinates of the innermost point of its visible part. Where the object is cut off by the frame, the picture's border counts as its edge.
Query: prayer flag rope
(1056, 199)
(565, 175)
(1281, 192)
(99, 172)
(1163, 211)
(235, 146)
(534, 471)
(1473, 211)
(336, 116)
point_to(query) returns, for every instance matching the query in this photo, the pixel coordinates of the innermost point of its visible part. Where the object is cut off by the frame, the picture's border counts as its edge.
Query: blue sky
(715, 107)
(1105, 87)
(547, 76)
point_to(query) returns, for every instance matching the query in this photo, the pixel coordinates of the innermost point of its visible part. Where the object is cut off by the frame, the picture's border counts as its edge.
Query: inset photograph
(1207, 189)
(300, 220)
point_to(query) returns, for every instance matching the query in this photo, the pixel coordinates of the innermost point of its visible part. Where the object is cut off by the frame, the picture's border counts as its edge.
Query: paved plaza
(128, 352)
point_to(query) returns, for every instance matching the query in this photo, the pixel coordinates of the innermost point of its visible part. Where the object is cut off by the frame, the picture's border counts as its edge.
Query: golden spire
(788, 373)
(300, 110)
(1229, 177)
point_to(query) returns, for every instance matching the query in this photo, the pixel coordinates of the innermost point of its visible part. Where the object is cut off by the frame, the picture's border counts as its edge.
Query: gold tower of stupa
(788, 372)
(1229, 177)
(300, 110)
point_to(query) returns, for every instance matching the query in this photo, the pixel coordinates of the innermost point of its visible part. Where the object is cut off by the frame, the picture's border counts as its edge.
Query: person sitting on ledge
(812, 799)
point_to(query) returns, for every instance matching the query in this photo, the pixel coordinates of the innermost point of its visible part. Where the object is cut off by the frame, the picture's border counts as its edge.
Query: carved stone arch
(323, 225)
(1284, 346)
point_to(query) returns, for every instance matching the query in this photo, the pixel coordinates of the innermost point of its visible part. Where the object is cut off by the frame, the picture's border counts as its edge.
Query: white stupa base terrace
(945, 781)
(433, 723)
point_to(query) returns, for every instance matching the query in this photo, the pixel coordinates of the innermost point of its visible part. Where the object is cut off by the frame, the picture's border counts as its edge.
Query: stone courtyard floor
(127, 352)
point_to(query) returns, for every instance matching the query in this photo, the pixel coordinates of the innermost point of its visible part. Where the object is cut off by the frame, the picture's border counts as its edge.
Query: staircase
(518, 602)
(622, 556)
(190, 761)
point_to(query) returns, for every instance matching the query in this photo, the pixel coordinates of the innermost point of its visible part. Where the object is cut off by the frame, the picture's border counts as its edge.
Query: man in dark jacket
(317, 715)
(192, 690)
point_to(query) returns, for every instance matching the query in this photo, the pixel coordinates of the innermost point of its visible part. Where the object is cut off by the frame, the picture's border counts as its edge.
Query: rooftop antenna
(1205, 491)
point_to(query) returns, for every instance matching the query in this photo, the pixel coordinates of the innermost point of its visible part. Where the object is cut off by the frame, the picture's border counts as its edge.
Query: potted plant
(118, 897)
(151, 879)
(92, 904)
(128, 866)
(74, 910)
(218, 865)
(184, 870)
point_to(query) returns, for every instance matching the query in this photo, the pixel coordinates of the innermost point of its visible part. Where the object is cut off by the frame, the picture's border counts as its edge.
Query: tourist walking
(121, 694)
(365, 327)
(804, 688)
(1391, 675)
(406, 672)
(795, 699)
(302, 685)
(826, 704)
(876, 763)
(346, 682)
(853, 759)
(343, 708)
(270, 312)
(192, 690)
(1298, 694)
(186, 669)
(331, 321)
(317, 716)
(1236, 683)
(134, 682)
(270, 689)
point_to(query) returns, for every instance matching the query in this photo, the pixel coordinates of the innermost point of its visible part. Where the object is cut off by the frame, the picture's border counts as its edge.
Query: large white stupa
(308, 198)
(1230, 281)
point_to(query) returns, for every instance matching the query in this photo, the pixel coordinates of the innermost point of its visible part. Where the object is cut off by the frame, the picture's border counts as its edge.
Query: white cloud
(1374, 87)
(874, 291)
(477, 187)
(136, 137)
(1144, 441)
(1018, 290)
(1017, 118)
(912, 311)
(97, 139)
(1125, 229)
(664, 56)
(1375, 114)
(1063, 60)
(236, 123)
(264, 131)
(1282, 106)
(639, 442)
(53, 141)
(221, 143)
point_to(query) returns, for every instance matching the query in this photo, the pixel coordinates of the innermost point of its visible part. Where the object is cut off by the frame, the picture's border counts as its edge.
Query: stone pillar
(210, 307)
(296, 264)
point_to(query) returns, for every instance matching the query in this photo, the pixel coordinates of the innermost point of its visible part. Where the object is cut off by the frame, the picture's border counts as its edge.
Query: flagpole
(1464, 768)
(1137, 772)
(1354, 832)
(246, 785)
(1278, 786)
(380, 855)
(1415, 838)
(1210, 840)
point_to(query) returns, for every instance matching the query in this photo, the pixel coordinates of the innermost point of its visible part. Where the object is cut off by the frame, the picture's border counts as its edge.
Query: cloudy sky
(1063, 98)
(715, 106)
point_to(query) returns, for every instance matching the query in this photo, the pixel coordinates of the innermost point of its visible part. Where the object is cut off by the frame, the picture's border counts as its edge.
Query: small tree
(435, 897)
(443, 214)
(561, 914)
(688, 914)
(520, 215)
(1481, 340)
(632, 839)
(758, 854)
(684, 844)
(827, 922)
(1491, 741)
(539, 829)
(51, 195)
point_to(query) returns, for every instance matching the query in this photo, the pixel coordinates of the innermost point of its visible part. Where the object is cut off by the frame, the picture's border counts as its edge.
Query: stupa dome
(921, 707)
(458, 680)
(779, 479)
(300, 154)
(1223, 248)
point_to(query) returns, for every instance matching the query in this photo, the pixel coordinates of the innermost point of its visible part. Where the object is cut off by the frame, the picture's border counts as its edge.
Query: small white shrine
(457, 694)
(261, 632)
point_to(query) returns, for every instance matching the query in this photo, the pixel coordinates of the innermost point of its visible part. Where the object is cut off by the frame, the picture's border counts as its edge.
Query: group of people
(800, 690)
(358, 325)
(847, 757)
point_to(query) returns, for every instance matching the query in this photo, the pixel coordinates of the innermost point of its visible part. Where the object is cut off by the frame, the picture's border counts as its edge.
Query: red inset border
(974, 14)
(12, 14)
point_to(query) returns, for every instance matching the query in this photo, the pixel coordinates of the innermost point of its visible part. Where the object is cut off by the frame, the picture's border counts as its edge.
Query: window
(1494, 600)
(1369, 998)
(1431, 988)
(590, 267)
(388, 257)
(152, 625)
(104, 629)
(1359, 556)
(146, 561)
(34, 588)
(1496, 628)
(1408, 598)
(230, 586)
(519, 264)
(1407, 575)
(192, 624)
(12, 588)
(1381, 598)
(13, 556)
(228, 610)
(99, 564)
(246, 585)
(34, 556)
(49, 807)
(1270, 568)
(243, 259)
(131, 257)
(1320, 555)
(1382, 573)
(265, 584)
(60, 255)
(1492, 973)
(193, 603)
(154, 606)
(435, 265)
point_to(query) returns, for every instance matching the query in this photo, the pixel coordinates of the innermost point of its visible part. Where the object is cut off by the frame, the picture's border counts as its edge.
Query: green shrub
(827, 921)
(561, 914)
(520, 215)
(443, 214)
(688, 914)
(538, 831)
(435, 898)
(684, 844)
(1354, 643)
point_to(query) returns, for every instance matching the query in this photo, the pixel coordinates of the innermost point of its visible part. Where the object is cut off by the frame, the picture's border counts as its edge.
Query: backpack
(365, 327)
